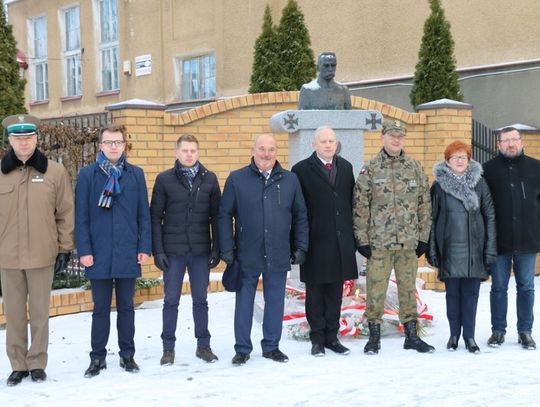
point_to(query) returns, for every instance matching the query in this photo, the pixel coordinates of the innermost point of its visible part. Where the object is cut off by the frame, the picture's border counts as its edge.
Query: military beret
(21, 125)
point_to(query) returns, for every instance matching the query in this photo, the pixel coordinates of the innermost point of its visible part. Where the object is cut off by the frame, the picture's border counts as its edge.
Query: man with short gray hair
(327, 184)
(270, 233)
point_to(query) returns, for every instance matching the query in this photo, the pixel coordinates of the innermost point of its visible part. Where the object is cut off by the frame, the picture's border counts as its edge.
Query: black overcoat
(463, 240)
(331, 255)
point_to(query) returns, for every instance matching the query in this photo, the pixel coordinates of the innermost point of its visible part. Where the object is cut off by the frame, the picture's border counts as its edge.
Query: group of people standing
(315, 215)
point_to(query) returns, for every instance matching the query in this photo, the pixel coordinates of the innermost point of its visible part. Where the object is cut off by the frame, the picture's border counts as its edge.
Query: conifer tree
(435, 76)
(266, 70)
(296, 56)
(11, 84)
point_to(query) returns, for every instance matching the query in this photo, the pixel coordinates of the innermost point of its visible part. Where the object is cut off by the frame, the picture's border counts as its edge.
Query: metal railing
(484, 142)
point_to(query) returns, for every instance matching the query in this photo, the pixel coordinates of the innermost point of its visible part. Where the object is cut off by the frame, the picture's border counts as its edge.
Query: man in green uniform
(392, 219)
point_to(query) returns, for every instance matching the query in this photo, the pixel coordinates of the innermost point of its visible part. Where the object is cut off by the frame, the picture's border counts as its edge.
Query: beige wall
(373, 39)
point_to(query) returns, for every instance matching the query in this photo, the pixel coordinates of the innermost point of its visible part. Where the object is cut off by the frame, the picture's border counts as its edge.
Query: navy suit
(270, 218)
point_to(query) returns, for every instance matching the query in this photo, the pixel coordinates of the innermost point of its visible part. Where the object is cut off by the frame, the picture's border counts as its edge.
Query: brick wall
(226, 130)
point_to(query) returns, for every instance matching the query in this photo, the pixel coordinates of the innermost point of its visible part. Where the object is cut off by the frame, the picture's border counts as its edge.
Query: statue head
(326, 65)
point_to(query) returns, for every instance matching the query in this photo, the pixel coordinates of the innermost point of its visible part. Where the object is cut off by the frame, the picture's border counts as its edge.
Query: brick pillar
(446, 121)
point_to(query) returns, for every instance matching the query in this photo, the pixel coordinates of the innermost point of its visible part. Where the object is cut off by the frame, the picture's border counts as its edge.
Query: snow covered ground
(509, 376)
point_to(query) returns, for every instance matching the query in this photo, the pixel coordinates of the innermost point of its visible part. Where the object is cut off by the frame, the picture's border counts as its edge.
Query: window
(108, 45)
(199, 77)
(39, 68)
(72, 51)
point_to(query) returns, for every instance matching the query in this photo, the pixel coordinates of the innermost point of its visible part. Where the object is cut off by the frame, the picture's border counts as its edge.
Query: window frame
(108, 46)
(39, 60)
(203, 86)
(72, 52)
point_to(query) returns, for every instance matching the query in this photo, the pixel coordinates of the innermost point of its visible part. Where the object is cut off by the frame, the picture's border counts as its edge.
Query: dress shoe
(526, 341)
(496, 339)
(338, 348)
(129, 365)
(240, 359)
(317, 350)
(276, 355)
(471, 345)
(167, 359)
(16, 377)
(452, 343)
(38, 375)
(95, 367)
(205, 353)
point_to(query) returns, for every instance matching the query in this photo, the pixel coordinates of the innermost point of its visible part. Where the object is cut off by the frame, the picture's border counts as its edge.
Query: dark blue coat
(270, 218)
(113, 236)
(182, 215)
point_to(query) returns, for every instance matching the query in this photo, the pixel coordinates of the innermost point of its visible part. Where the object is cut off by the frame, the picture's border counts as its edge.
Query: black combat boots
(412, 341)
(374, 343)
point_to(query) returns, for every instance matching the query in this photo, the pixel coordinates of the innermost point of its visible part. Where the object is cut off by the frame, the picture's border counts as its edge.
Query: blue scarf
(112, 185)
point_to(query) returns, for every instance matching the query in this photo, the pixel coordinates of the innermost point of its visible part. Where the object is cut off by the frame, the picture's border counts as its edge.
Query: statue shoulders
(311, 86)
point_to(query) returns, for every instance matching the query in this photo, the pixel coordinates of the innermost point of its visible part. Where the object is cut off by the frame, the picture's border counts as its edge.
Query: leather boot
(471, 345)
(452, 343)
(374, 342)
(412, 341)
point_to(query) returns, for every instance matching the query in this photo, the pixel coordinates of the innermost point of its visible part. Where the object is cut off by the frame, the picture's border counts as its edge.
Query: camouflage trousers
(379, 268)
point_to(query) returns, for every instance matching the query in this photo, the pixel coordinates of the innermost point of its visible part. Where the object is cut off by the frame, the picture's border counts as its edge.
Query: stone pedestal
(349, 126)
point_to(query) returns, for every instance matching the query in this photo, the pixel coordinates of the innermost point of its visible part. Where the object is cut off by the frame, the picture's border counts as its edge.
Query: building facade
(84, 55)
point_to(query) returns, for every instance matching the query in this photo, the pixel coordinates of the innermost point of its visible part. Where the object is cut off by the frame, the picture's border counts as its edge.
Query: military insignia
(413, 184)
(362, 171)
(37, 179)
(21, 119)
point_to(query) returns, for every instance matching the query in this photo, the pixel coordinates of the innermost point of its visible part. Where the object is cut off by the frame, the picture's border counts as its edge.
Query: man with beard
(514, 181)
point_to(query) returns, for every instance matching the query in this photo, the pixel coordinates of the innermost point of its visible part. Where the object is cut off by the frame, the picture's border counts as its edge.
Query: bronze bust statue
(323, 93)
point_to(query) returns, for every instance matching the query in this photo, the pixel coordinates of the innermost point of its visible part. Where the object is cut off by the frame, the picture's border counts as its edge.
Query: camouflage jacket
(391, 204)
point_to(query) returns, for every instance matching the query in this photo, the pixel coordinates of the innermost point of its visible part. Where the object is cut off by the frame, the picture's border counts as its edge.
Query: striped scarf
(112, 185)
(188, 172)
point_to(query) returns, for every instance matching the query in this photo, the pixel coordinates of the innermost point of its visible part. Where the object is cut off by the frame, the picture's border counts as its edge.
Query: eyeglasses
(110, 143)
(510, 140)
(456, 158)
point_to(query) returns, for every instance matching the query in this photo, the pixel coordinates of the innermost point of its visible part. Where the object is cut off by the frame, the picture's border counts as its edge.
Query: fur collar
(37, 161)
(461, 188)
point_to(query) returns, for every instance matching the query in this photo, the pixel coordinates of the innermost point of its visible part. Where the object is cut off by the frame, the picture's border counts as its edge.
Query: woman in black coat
(462, 241)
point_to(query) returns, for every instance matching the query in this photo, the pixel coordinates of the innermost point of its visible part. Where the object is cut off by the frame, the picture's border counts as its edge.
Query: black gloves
(61, 262)
(213, 260)
(421, 248)
(228, 257)
(161, 261)
(298, 257)
(433, 261)
(364, 251)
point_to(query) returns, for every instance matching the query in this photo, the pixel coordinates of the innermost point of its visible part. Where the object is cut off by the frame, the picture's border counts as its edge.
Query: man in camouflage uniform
(392, 218)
